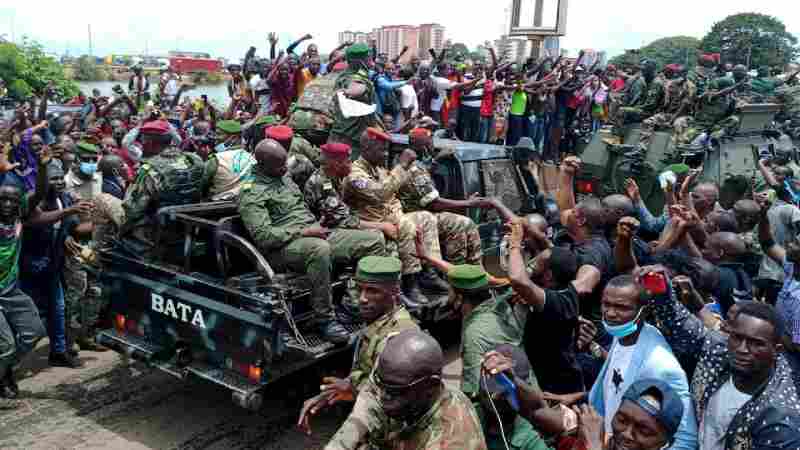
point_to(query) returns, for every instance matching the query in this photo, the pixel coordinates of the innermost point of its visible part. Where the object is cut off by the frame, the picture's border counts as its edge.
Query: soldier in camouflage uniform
(789, 96)
(678, 102)
(644, 98)
(459, 233)
(355, 84)
(281, 225)
(167, 177)
(312, 115)
(379, 282)
(712, 111)
(371, 191)
(703, 73)
(422, 412)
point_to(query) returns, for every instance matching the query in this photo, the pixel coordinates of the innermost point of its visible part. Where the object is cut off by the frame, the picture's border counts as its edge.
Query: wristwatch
(596, 350)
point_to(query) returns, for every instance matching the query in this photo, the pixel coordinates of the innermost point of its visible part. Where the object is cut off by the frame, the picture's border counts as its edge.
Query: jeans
(517, 128)
(485, 129)
(20, 327)
(49, 298)
(540, 125)
(469, 123)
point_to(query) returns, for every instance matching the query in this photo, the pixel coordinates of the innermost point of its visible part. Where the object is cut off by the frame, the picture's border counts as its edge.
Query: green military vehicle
(730, 162)
(211, 306)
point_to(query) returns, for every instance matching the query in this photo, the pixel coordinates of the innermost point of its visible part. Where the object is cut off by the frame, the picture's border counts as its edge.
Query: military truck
(729, 162)
(211, 306)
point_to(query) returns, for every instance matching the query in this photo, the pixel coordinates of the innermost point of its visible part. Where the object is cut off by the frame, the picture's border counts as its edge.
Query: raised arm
(293, 45)
(396, 59)
(565, 197)
(624, 259)
(522, 284)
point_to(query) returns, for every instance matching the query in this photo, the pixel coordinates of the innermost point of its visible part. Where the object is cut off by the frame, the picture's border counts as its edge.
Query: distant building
(513, 49)
(391, 39)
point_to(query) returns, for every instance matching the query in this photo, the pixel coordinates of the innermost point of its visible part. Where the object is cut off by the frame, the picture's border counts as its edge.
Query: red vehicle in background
(181, 64)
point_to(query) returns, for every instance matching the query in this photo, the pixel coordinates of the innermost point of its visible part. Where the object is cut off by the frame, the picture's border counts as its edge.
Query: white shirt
(171, 89)
(441, 85)
(408, 99)
(615, 384)
(722, 407)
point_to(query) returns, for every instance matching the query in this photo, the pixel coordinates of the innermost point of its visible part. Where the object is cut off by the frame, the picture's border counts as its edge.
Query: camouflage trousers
(686, 129)
(20, 327)
(406, 248)
(614, 102)
(624, 116)
(462, 241)
(83, 299)
(649, 126)
(366, 417)
(315, 257)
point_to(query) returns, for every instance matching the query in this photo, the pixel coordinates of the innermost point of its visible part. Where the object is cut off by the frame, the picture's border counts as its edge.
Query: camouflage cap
(87, 149)
(229, 126)
(468, 277)
(357, 51)
(378, 269)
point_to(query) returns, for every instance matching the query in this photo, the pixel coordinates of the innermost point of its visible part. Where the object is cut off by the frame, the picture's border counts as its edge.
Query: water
(217, 93)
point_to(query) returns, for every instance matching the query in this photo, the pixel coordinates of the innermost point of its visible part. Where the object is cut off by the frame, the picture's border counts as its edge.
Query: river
(217, 93)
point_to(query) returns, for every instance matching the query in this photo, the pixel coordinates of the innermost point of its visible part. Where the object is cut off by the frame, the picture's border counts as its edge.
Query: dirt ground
(113, 404)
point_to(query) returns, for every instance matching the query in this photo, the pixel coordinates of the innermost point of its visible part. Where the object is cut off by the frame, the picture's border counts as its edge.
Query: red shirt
(487, 102)
(617, 85)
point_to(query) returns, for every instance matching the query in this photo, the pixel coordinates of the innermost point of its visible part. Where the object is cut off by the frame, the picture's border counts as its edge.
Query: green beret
(677, 169)
(229, 126)
(721, 83)
(267, 120)
(761, 186)
(357, 51)
(87, 149)
(378, 269)
(468, 277)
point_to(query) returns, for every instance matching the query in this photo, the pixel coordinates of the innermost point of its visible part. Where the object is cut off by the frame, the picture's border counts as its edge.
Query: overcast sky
(226, 29)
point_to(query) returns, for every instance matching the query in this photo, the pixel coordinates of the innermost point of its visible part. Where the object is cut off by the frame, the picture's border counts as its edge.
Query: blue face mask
(88, 169)
(221, 147)
(624, 330)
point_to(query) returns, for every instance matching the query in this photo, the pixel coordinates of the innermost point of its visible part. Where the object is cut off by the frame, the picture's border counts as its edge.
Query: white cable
(497, 414)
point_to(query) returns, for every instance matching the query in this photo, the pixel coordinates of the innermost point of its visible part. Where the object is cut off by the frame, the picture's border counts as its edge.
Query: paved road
(111, 404)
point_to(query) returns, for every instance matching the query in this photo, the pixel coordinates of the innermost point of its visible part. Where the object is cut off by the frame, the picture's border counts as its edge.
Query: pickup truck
(211, 306)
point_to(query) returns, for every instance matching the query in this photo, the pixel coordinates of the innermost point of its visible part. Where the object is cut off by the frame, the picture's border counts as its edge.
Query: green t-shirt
(523, 437)
(519, 100)
(10, 244)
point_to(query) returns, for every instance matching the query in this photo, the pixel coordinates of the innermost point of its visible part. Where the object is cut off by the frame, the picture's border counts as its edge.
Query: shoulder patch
(359, 183)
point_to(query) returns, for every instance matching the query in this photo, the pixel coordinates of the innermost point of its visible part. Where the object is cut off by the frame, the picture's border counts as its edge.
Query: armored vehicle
(212, 306)
(729, 162)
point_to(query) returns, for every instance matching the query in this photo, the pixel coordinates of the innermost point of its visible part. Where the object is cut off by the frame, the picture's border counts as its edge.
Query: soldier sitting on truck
(644, 99)
(281, 225)
(713, 112)
(229, 166)
(371, 191)
(678, 103)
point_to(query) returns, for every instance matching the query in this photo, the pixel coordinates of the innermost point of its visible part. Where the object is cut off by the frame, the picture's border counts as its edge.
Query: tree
(86, 69)
(669, 50)
(27, 70)
(457, 50)
(751, 39)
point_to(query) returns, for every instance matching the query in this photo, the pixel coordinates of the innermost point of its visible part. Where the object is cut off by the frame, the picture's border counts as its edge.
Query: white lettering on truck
(167, 306)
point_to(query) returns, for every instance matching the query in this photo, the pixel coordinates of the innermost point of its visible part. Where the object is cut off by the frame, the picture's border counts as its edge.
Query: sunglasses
(397, 390)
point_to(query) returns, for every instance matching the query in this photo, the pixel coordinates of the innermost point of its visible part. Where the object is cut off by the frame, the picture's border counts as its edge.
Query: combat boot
(413, 297)
(334, 332)
(65, 359)
(8, 386)
(429, 281)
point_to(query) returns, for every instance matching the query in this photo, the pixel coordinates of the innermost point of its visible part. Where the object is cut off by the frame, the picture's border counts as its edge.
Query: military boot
(412, 296)
(65, 359)
(8, 385)
(430, 281)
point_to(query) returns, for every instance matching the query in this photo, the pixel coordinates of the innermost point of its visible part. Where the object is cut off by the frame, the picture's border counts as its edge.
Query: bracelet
(596, 350)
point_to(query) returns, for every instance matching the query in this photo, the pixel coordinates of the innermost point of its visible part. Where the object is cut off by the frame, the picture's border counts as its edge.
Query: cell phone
(655, 283)
(509, 390)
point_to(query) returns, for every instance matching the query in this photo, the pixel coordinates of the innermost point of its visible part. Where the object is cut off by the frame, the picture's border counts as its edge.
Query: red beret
(378, 134)
(279, 133)
(337, 149)
(419, 133)
(340, 66)
(157, 127)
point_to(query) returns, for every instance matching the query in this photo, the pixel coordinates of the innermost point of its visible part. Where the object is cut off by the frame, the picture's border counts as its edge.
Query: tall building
(431, 35)
(391, 39)
(513, 49)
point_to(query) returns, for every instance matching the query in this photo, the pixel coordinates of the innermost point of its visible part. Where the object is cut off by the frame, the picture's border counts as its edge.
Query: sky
(159, 26)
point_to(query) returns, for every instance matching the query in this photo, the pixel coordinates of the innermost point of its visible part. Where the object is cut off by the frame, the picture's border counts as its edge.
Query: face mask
(88, 168)
(624, 330)
(221, 147)
(135, 152)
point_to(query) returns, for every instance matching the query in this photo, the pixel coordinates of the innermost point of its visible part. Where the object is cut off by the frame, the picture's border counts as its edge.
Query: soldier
(712, 113)
(354, 84)
(167, 177)
(379, 282)
(422, 412)
(229, 166)
(463, 242)
(280, 223)
(703, 73)
(744, 93)
(371, 191)
(644, 98)
(303, 157)
(677, 103)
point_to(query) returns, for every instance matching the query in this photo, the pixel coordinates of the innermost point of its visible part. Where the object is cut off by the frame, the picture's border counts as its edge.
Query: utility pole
(91, 53)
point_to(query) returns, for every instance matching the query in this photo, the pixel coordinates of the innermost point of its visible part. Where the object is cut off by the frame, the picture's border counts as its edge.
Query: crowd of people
(615, 328)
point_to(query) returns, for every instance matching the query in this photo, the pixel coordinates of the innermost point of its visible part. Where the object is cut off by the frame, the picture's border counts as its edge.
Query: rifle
(727, 91)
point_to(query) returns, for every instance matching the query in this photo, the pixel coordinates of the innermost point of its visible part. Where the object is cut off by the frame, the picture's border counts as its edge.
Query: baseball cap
(659, 400)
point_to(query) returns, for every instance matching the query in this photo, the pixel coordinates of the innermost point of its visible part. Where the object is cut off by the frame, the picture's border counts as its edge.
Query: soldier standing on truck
(713, 112)
(643, 100)
(284, 229)
(378, 279)
(679, 99)
(371, 191)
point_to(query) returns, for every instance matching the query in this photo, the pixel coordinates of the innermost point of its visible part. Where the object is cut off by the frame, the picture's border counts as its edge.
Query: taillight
(133, 327)
(585, 186)
(249, 371)
(119, 323)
